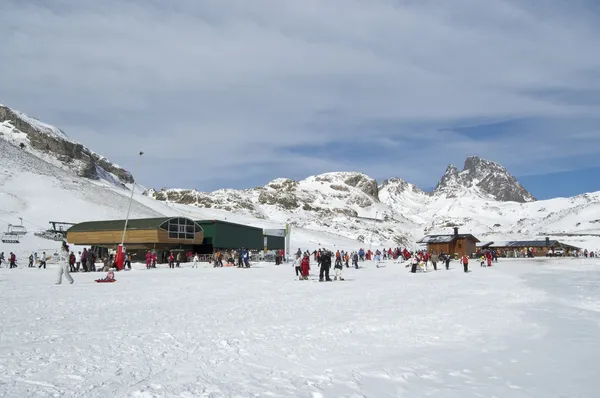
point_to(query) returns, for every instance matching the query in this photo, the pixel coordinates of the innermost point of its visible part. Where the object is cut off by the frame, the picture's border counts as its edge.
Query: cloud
(231, 93)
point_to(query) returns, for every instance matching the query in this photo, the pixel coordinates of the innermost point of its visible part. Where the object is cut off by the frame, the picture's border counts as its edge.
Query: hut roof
(446, 238)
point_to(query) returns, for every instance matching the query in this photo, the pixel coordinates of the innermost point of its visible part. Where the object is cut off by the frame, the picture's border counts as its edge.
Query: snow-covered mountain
(353, 205)
(482, 177)
(53, 145)
(345, 209)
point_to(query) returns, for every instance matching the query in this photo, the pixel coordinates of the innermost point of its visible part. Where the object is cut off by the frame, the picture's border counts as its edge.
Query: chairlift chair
(10, 238)
(17, 229)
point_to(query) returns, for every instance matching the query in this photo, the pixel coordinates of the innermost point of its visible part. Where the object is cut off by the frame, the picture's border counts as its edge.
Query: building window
(181, 228)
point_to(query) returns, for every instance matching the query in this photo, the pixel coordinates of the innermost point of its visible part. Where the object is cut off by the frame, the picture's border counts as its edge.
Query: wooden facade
(138, 239)
(453, 244)
(540, 248)
(152, 233)
(460, 246)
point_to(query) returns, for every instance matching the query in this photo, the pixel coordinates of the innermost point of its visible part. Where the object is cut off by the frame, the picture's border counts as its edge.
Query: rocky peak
(488, 177)
(398, 186)
(364, 183)
(449, 183)
(342, 180)
(44, 139)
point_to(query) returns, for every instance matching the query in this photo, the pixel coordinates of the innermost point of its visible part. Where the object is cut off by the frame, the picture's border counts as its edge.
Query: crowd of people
(86, 260)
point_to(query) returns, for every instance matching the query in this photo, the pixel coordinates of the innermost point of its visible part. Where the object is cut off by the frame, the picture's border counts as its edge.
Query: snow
(523, 328)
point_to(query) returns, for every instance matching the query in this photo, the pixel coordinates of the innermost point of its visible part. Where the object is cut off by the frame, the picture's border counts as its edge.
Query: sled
(105, 280)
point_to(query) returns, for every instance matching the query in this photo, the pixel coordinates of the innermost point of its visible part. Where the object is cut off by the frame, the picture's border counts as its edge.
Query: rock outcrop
(49, 140)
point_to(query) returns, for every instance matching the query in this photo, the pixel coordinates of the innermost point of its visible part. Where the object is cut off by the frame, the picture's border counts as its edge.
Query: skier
(43, 261)
(377, 258)
(447, 261)
(304, 267)
(414, 263)
(1, 258)
(246, 259)
(30, 261)
(434, 260)
(297, 266)
(148, 260)
(325, 265)
(195, 261)
(465, 262)
(338, 271)
(84, 260)
(12, 259)
(488, 256)
(355, 260)
(72, 262)
(64, 267)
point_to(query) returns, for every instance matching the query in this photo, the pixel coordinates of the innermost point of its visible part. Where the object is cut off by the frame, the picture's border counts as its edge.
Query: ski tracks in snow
(257, 332)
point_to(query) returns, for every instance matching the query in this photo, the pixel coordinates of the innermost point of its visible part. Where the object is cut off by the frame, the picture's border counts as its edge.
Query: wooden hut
(452, 244)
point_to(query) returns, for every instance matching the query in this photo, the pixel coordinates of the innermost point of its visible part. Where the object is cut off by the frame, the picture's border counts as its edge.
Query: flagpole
(129, 206)
(120, 253)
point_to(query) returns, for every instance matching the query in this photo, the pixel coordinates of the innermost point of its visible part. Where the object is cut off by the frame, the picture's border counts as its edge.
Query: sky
(233, 94)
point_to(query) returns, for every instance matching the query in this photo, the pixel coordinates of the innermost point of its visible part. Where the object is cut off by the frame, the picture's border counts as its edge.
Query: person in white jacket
(195, 261)
(63, 262)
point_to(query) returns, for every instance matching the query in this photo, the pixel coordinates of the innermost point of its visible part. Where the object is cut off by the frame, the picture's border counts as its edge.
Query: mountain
(352, 205)
(484, 177)
(52, 144)
(44, 182)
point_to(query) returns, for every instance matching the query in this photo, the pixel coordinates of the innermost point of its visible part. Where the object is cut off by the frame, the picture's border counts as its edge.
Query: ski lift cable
(22, 219)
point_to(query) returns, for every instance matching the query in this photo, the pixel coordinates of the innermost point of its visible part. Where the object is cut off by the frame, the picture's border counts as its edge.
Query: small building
(166, 234)
(452, 244)
(539, 247)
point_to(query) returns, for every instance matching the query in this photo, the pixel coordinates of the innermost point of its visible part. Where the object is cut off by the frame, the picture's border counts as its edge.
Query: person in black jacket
(325, 266)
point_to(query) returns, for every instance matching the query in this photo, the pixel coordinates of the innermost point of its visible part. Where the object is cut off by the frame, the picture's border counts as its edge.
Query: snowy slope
(520, 329)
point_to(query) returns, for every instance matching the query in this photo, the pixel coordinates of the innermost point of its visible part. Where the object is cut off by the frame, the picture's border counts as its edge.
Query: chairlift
(10, 238)
(17, 229)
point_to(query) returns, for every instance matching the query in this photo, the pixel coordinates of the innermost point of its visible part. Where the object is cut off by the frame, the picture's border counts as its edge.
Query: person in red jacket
(465, 262)
(304, 267)
(12, 260)
(488, 257)
(148, 260)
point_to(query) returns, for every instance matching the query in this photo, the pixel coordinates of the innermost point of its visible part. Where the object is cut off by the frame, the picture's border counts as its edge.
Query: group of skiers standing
(324, 259)
(33, 260)
(12, 260)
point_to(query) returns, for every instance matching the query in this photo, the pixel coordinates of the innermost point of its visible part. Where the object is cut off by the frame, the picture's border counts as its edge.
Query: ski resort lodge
(172, 233)
(455, 243)
(539, 248)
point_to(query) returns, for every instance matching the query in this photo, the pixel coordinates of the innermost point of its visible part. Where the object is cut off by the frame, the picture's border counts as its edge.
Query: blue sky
(234, 94)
